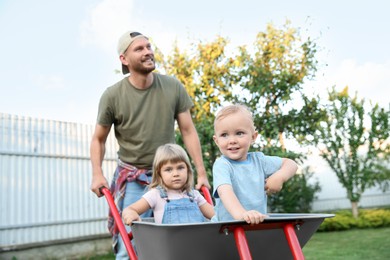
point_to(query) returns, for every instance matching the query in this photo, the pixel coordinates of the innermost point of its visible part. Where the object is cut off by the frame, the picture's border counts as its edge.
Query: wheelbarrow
(279, 236)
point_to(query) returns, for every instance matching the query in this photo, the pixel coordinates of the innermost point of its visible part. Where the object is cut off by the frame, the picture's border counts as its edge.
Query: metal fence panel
(333, 195)
(45, 176)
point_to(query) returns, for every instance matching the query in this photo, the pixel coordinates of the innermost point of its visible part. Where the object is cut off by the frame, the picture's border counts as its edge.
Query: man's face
(139, 56)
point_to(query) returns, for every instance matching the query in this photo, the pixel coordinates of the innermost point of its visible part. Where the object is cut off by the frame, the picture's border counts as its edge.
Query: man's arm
(191, 141)
(97, 151)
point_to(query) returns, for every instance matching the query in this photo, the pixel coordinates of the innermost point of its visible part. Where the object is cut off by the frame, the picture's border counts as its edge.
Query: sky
(57, 57)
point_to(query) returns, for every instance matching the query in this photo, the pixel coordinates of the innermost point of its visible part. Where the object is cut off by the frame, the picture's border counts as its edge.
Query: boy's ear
(254, 136)
(215, 139)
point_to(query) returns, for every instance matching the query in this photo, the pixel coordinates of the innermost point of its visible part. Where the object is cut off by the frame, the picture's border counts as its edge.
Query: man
(143, 108)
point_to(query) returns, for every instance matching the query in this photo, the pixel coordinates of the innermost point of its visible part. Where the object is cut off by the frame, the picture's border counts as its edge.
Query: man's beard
(143, 69)
(147, 70)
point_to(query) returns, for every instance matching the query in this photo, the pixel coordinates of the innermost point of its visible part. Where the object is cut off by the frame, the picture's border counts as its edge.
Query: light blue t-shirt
(247, 179)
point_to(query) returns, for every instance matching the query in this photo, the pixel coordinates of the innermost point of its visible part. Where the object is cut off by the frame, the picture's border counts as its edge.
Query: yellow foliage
(344, 92)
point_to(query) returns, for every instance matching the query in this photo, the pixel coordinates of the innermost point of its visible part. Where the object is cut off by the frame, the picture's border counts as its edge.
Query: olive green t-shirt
(143, 119)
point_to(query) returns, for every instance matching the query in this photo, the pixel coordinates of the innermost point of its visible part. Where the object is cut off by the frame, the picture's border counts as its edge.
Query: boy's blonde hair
(232, 109)
(172, 153)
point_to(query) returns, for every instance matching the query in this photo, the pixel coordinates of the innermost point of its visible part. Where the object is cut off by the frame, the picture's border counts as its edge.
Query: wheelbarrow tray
(215, 240)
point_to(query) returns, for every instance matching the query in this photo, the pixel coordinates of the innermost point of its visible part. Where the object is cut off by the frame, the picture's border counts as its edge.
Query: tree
(359, 155)
(207, 75)
(272, 79)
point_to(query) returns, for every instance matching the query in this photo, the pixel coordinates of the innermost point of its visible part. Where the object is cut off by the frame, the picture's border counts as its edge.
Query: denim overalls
(184, 210)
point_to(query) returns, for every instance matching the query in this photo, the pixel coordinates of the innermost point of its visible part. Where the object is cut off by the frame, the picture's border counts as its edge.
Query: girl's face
(234, 134)
(174, 175)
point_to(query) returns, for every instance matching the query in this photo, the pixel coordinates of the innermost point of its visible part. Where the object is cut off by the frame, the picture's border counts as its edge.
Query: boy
(242, 178)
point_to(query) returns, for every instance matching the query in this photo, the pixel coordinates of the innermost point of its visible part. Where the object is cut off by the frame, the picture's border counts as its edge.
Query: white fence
(45, 176)
(333, 196)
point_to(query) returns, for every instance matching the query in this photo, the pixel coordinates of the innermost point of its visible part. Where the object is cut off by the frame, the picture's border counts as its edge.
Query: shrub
(368, 218)
(337, 223)
(297, 195)
(374, 218)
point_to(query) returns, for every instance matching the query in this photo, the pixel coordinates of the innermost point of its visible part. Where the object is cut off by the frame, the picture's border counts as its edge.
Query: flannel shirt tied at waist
(124, 173)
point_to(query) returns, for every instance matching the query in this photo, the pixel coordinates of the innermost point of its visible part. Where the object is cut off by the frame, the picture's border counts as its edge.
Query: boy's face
(233, 135)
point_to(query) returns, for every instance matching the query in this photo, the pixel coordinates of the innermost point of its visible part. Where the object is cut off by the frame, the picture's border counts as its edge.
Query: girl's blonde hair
(172, 153)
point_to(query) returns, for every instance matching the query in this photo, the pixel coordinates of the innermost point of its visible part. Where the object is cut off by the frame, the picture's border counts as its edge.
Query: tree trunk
(355, 212)
(281, 140)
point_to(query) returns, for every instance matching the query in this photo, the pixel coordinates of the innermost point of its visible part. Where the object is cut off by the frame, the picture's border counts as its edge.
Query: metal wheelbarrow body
(281, 236)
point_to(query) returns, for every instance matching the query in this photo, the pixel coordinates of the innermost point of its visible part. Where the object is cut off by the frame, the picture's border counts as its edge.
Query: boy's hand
(273, 184)
(253, 217)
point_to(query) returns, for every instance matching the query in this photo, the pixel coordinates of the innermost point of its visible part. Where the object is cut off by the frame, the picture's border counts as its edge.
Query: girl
(171, 195)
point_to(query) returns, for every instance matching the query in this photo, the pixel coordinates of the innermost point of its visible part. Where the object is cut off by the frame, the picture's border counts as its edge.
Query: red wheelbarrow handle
(126, 237)
(206, 194)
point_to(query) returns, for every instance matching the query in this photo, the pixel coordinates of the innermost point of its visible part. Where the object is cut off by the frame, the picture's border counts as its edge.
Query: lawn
(357, 244)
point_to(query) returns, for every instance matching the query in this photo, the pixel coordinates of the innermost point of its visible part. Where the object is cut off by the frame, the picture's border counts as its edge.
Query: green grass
(356, 244)
(108, 256)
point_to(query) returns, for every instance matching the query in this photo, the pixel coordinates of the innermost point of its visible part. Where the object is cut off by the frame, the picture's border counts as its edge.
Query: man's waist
(131, 166)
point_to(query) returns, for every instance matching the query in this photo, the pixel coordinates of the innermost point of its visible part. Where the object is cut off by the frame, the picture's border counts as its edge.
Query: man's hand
(202, 181)
(98, 181)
